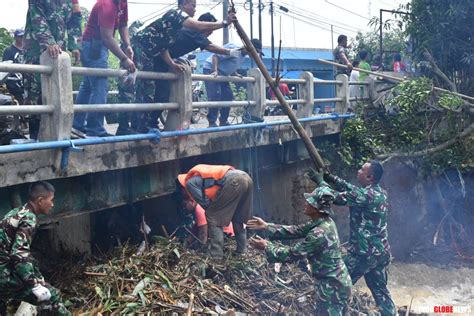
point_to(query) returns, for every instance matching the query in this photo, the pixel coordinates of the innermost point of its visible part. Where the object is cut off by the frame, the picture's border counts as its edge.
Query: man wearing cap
(52, 26)
(20, 278)
(226, 195)
(224, 65)
(15, 51)
(369, 251)
(320, 247)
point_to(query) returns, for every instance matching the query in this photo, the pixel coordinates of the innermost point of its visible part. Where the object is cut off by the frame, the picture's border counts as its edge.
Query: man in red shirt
(200, 228)
(106, 17)
(284, 90)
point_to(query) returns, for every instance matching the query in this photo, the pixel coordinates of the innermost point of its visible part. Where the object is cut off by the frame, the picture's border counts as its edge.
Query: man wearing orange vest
(226, 195)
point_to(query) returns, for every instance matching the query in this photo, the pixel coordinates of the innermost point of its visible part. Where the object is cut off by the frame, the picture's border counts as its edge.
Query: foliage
(444, 28)
(418, 119)
(6, 39)
(394, 41)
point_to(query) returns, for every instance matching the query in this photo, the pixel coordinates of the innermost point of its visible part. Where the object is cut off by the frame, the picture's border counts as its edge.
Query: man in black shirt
(15, 52)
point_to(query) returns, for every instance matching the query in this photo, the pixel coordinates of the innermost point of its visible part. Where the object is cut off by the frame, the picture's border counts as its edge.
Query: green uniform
(148, 44)
(48, 22)
(364, 65)
(369, 252)
(18, 270)
(322, 250)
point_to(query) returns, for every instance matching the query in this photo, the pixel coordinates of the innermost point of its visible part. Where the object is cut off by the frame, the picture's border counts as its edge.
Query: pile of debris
(169, 278)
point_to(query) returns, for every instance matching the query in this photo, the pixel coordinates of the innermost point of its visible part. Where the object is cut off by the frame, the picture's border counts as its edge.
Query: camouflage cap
(321, 198)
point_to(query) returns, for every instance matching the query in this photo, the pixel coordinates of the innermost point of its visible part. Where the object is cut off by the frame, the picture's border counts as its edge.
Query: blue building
(293, 61)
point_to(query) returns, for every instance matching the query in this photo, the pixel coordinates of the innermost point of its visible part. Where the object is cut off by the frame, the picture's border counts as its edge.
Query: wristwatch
(225, 23)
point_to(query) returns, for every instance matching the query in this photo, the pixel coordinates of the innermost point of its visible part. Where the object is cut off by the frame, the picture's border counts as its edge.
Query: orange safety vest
(217, 172)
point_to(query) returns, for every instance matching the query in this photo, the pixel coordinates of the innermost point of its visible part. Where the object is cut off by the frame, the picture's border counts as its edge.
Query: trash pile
(168, 278)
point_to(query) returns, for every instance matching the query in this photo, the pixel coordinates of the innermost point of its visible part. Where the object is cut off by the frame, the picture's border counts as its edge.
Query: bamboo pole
(393, 78)
(313, 152)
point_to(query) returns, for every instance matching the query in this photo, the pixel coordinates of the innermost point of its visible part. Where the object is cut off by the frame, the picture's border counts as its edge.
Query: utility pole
(272, 39)
(251, 18)
(380, 38)
(260, 20)
(225, 38)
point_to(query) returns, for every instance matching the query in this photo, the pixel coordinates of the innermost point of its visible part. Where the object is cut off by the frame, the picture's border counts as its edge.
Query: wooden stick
(95, 274)
(165, 232)
(313, 152)
(189, 312)
(393, 78)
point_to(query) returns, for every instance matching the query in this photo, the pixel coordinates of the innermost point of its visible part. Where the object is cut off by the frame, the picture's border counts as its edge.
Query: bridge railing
(58, 108)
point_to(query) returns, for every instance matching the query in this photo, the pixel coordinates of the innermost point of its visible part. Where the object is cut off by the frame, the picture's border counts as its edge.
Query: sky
(307, 24)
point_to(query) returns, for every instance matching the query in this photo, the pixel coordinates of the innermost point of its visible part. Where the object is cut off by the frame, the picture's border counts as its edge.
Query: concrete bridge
(101, 173)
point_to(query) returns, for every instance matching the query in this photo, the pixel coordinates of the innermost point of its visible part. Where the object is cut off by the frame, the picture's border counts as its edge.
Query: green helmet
(321, 198)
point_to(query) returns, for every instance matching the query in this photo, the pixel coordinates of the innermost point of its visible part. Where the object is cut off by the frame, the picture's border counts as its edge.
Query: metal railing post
(342, 91)
(57, 91)
(182, 93)
(306, 93)
(256, 92)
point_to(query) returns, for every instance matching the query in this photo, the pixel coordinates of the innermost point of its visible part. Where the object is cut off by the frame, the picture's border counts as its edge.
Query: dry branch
(425, 152)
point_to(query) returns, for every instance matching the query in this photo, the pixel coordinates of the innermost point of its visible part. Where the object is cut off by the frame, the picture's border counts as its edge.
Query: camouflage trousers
(142, 92)
(32, 86)
(374, 270)
(330, 309)
(333, 295)
(11, 287)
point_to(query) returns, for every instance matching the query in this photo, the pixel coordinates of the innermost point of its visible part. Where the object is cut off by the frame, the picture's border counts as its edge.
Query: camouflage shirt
(368, 217)
(322, 249)
(51, 22)
(161, 34)
(16, 233)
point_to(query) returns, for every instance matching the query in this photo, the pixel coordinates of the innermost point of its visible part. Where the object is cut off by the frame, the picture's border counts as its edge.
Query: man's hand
(129, 52)
(54, 50)
(236, 52)
(231, 17)
(317, 177)
(128, 65)
(236, 74)
(258, 242)
(215, 73)
(349, 66)
(177, 67)
(329, 177)
(257, 224)
(41, 293)
(76, 54)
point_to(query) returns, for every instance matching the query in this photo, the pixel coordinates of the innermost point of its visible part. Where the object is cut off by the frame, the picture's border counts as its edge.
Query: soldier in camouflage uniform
(153, 42)
(52, 25)
(369, 251)
(20, 278)
(321, 247)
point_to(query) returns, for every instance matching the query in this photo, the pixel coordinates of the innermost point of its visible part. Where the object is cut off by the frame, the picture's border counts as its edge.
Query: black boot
(216, 241)
(240, 238)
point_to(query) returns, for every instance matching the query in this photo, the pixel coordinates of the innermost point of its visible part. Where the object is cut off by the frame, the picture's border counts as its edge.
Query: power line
(313, 16)
(344, 9)
(320, 17)
(310, 20)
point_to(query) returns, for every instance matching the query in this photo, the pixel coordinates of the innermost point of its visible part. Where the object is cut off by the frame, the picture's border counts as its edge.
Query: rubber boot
(240, 238)
(216, 241)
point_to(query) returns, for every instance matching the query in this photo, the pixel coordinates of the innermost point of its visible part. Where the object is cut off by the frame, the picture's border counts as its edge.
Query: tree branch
(438, 71)
(468, 131)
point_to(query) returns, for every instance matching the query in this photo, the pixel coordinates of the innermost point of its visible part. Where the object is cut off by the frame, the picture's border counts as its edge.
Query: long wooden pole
(393, 78)
(313, 152)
